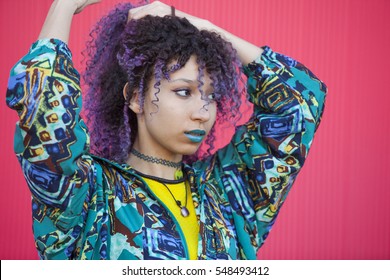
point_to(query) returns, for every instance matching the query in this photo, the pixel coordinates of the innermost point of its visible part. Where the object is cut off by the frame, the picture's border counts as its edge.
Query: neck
(152, 165)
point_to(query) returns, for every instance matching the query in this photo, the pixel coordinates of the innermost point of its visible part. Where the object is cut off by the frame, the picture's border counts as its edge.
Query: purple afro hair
(134, 52)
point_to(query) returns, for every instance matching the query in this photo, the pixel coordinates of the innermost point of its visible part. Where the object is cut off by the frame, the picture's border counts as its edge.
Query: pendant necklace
(183, 209)
(178, 175)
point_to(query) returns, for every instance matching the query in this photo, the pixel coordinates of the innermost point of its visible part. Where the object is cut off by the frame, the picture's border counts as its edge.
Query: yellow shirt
(189, 225)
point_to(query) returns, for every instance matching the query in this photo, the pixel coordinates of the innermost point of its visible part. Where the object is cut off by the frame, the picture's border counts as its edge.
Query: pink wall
(338, 208)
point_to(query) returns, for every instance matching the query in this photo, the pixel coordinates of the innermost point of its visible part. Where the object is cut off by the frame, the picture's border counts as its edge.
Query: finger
(134, 12)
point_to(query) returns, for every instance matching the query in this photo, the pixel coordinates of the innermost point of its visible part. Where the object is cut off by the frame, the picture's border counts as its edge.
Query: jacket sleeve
(51, 143)
(259, 166)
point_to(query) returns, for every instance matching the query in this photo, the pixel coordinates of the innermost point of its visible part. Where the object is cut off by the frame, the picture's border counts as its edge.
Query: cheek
(213, 114)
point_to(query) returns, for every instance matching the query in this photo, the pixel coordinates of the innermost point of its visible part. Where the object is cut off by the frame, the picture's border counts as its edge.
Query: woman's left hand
(160, 9)
(246, 51)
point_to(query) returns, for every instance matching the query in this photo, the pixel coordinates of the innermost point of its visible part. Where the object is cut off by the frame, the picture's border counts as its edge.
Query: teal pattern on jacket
(87, 207)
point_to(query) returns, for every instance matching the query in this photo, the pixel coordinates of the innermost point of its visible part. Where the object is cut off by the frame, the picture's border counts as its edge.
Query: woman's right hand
(247, 52)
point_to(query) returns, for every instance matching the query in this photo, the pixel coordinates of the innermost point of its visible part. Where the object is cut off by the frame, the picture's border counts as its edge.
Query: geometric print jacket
(87, 207)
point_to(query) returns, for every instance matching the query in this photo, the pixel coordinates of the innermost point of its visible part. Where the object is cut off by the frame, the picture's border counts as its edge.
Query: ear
(133, 103)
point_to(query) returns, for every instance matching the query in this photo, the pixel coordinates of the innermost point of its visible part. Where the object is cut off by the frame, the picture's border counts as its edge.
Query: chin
(189, 149)
(190, 152)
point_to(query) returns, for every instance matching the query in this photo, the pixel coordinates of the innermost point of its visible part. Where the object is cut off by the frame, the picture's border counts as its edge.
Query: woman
(158, 79)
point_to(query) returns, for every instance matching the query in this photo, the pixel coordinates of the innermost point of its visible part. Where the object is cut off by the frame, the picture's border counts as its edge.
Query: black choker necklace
(165, 162)
(183, 209)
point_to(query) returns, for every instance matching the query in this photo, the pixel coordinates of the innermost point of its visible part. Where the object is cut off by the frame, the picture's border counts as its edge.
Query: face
(177, 121)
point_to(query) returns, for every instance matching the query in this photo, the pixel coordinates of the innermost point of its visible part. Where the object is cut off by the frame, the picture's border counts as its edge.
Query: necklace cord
(183, 209)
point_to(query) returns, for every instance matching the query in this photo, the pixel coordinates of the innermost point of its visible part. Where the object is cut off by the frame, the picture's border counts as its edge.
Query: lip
(196, 135)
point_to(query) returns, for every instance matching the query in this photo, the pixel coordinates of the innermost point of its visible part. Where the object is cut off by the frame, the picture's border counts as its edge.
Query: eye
(183, 92)
(211, 97)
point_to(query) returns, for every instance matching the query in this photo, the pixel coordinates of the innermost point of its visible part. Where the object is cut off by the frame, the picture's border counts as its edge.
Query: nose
(200, 110)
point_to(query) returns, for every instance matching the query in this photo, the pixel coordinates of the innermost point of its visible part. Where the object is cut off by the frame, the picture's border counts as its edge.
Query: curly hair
(134, 52)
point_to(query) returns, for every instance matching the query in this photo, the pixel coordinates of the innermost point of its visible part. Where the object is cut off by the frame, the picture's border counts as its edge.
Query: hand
(246, 51)
(156, 8)
(160, 9)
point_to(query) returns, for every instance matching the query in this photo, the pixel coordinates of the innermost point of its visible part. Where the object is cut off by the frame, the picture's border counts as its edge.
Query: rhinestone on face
(184, 211)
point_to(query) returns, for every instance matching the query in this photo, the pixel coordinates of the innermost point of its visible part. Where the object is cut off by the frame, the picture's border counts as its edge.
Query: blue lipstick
(195, 135)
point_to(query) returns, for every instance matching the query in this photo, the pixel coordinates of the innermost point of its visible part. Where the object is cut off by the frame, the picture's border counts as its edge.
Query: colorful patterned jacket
(86, 207)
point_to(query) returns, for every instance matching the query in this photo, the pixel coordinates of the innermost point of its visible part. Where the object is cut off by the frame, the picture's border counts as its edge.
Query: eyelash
(211, 97)
(187, 92)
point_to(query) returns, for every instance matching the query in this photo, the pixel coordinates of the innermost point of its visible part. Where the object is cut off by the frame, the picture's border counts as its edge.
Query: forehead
(189, 71)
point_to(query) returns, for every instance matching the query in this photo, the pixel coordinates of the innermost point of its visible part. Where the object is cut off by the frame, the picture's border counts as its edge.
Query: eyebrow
(188, 81)
(183, 80)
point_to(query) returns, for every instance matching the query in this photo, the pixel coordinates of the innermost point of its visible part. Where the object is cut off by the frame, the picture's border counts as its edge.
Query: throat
(154, 166)
(177, 176)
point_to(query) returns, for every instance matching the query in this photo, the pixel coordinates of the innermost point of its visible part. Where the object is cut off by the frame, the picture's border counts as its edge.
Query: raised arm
(44, 89)
(51, 140)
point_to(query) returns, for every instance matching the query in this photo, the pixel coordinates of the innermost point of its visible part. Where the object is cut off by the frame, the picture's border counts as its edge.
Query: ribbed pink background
(339, 207)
